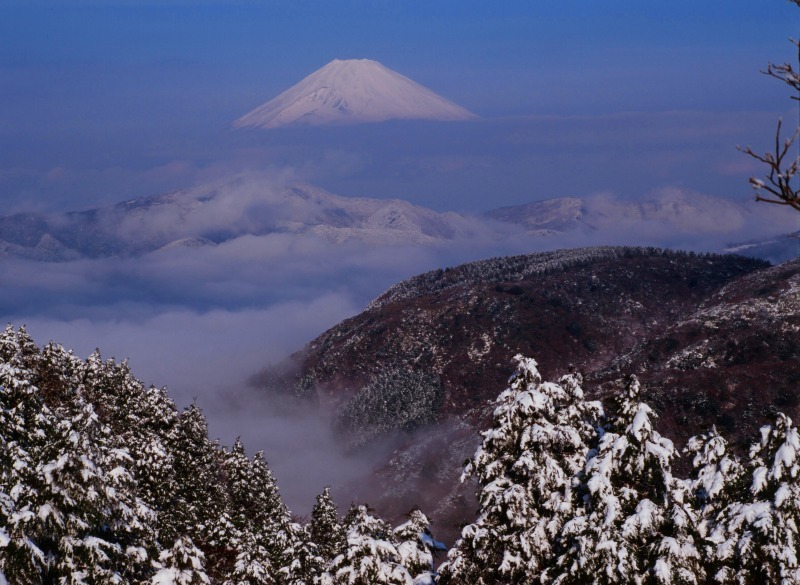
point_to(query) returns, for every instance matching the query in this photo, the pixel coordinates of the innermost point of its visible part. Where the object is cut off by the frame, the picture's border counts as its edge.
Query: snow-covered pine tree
(637, 525)
(525, 468)
(99, 474)
(25, 426)
(258, 513)
(247, 512)
(145, 420)
(107, 526)
(182, 564)
(417, 547)
(251, 566)
(18, 349)
(717, 477)
(305, 565)
(757, 535)
(325, 530)
(59, 375)
(77, 517)
(371, 557)
(200, 500)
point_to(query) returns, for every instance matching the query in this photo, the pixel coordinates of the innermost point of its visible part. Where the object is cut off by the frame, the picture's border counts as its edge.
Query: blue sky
(496, 58)
(106, 93)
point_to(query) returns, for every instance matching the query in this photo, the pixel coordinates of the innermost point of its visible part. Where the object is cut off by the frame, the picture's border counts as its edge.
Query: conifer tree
(252, 563)
(304, 565)
(417, 547)
(145, 420)
(18, 349)
(98, 474)
(630, 499)
(200, 499)
(259, 516)
(371, 557)
(182, 564)
(105, 526)
(325, 530)
(717, 478)
(59, 375)
(757, 534)
(525, 468)
(25, 425)
(77, 516)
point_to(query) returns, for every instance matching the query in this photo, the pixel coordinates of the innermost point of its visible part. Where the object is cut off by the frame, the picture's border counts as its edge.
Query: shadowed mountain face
(733, 362)
(706, 334)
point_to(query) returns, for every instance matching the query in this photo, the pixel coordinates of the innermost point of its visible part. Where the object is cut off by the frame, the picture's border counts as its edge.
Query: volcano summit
(352, 91)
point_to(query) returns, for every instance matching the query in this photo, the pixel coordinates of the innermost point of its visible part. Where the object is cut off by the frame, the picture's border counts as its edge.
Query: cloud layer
(203, 320)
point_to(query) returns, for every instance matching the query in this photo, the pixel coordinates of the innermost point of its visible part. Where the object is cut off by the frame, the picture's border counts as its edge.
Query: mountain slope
(680, 209)
(732, 362)
(776, 249)
(445, 340)
(349, 92)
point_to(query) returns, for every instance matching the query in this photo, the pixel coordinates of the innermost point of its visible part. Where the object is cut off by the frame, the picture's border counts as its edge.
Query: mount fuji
(352, 92)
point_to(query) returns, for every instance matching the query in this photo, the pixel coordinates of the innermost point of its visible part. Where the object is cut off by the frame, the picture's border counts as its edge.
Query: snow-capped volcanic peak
(350, 92)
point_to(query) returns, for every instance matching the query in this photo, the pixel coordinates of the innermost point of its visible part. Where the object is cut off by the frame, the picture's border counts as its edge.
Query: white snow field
(352, 91)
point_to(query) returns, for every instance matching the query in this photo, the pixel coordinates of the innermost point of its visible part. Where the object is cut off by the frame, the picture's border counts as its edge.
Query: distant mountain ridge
(215, 213)
(352, 91)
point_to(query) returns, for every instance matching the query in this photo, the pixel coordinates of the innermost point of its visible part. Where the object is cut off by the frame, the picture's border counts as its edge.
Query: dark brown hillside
(578, 308)
(734, 362)
(714, 338)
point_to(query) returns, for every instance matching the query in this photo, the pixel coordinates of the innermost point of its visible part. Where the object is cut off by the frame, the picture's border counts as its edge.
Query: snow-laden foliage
(526, 469)
(303, 563)
(261, 521)
(755, 535)
(713, 485)
(183, 564)
(371, 556)
(251, 566)
(636, 524)
(69, 504)
(104, 481)
(325, 530)
(563, 501)
(417, 547)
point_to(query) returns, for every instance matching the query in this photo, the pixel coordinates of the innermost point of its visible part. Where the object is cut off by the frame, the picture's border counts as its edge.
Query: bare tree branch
(776, 187)
(786, 72)
(777, 184)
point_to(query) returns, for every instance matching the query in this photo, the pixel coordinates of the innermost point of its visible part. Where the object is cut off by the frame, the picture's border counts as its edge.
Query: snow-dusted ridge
(350, 92)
